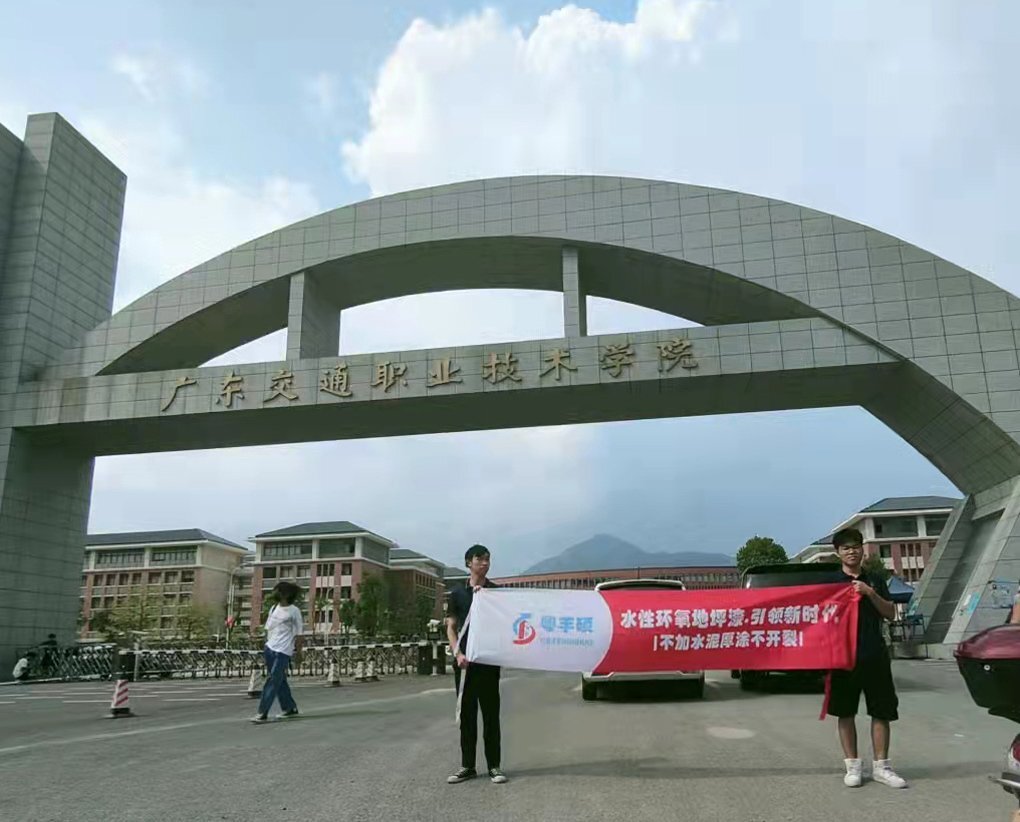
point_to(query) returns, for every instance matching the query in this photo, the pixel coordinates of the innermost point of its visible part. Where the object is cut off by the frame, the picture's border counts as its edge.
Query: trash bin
(990, 665)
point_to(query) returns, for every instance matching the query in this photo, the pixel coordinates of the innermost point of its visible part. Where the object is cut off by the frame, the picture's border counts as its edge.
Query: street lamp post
(230, 603)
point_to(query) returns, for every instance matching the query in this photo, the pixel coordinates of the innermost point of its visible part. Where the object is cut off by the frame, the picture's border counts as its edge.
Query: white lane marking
(37, 697)
(7, 703)
(576, 690)
(193, 699)
(86, 702)
(729, 733)
(232, 720)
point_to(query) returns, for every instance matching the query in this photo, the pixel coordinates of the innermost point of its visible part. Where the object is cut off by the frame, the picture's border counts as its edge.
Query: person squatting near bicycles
(872, 671)
(284, 627)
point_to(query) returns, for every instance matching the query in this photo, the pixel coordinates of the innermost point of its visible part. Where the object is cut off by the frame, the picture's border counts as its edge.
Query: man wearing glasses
(872, 672)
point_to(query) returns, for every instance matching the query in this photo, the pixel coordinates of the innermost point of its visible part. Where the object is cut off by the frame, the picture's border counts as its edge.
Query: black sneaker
(462, 775)
(497, 776)
(258, 719)
(289, 714)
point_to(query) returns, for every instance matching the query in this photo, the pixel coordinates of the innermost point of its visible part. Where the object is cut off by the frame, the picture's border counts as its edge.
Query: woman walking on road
(283, 639)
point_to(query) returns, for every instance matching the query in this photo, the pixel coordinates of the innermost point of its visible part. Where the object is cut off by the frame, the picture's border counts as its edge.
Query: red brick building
(328, 561)
(721, 576)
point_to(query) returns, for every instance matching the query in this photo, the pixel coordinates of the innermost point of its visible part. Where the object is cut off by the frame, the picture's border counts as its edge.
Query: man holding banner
(477, 683)
(872, 671)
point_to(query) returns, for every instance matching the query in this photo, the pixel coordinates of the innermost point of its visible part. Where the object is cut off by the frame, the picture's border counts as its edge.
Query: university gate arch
(799, 309)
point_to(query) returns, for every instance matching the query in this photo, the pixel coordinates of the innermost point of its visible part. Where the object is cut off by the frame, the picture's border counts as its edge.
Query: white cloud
(176, 217)
(156, 75)
(479, 96)
(433, 493)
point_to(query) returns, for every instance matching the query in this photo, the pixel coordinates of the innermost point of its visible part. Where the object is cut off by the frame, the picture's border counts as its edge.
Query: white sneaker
(854, 773)
(882, 772)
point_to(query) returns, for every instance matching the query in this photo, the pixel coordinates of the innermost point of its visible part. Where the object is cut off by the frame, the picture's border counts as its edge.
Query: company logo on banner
(634, 630)
(541, 630)
(525, 634)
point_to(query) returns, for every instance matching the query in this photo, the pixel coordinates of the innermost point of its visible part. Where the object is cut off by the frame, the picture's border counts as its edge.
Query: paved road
(381, 751)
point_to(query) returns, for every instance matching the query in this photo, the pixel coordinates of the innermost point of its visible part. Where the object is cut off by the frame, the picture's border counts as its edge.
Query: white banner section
(539, 630)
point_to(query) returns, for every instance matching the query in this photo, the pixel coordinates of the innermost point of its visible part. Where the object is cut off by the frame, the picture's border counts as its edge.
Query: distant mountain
(606, 551)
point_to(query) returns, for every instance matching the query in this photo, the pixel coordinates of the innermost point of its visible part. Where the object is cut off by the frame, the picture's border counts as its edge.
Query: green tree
(875, 566)
(760, 551)
(348, 615)
(99, 622)
(194, 621)
(371, 609)
(139, 612)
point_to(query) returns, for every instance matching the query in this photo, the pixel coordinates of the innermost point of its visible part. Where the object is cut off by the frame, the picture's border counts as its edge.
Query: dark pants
(478, 686)
(276, 684)
(872, 677)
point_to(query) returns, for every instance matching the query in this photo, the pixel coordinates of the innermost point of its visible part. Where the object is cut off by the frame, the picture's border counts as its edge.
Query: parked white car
(693, 681)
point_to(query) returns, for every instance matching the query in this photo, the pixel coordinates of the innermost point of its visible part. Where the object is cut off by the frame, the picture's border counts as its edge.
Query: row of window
(166, 601)
(886, 527)
(135, 558)
(330, 593)
(912, 574)
(135, 578)
(322, 569)
(906, 549)
(287, 550)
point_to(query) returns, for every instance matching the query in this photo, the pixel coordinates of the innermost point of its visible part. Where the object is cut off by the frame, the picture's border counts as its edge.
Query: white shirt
(282, 627)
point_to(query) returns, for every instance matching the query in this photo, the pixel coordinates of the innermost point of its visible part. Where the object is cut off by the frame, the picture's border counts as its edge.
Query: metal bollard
(426, 654)
(254, 686)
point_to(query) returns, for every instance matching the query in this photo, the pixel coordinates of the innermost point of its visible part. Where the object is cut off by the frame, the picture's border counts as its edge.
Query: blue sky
(231, 123)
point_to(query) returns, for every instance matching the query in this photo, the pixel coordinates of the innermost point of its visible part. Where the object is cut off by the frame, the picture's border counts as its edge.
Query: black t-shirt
(870, 641)
(460, 604)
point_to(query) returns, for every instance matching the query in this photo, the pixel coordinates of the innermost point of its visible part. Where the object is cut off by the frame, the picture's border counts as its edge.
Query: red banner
(805, 627)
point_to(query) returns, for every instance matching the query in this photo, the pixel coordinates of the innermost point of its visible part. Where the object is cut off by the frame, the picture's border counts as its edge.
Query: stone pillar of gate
(313, 321)
(575, 311)
(973, 573)
(61, 208)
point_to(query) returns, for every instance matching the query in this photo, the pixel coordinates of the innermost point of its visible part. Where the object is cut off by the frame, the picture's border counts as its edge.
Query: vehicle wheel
(699, 689)
(589, 691)
(748, 681)
(734, 674)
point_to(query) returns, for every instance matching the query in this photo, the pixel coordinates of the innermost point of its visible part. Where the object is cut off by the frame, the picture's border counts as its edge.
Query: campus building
(167, 570)
(328, 561)
(901, 530)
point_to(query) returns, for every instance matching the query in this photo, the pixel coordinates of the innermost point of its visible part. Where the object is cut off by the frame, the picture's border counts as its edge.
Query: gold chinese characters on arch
(496, 368)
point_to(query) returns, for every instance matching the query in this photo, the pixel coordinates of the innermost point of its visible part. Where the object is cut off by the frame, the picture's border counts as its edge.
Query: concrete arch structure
(799, 309)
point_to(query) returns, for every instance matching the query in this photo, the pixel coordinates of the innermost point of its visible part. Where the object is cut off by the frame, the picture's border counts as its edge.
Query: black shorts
(872, 676)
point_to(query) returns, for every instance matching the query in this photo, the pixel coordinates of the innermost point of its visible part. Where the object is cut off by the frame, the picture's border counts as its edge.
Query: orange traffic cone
(119, 704)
